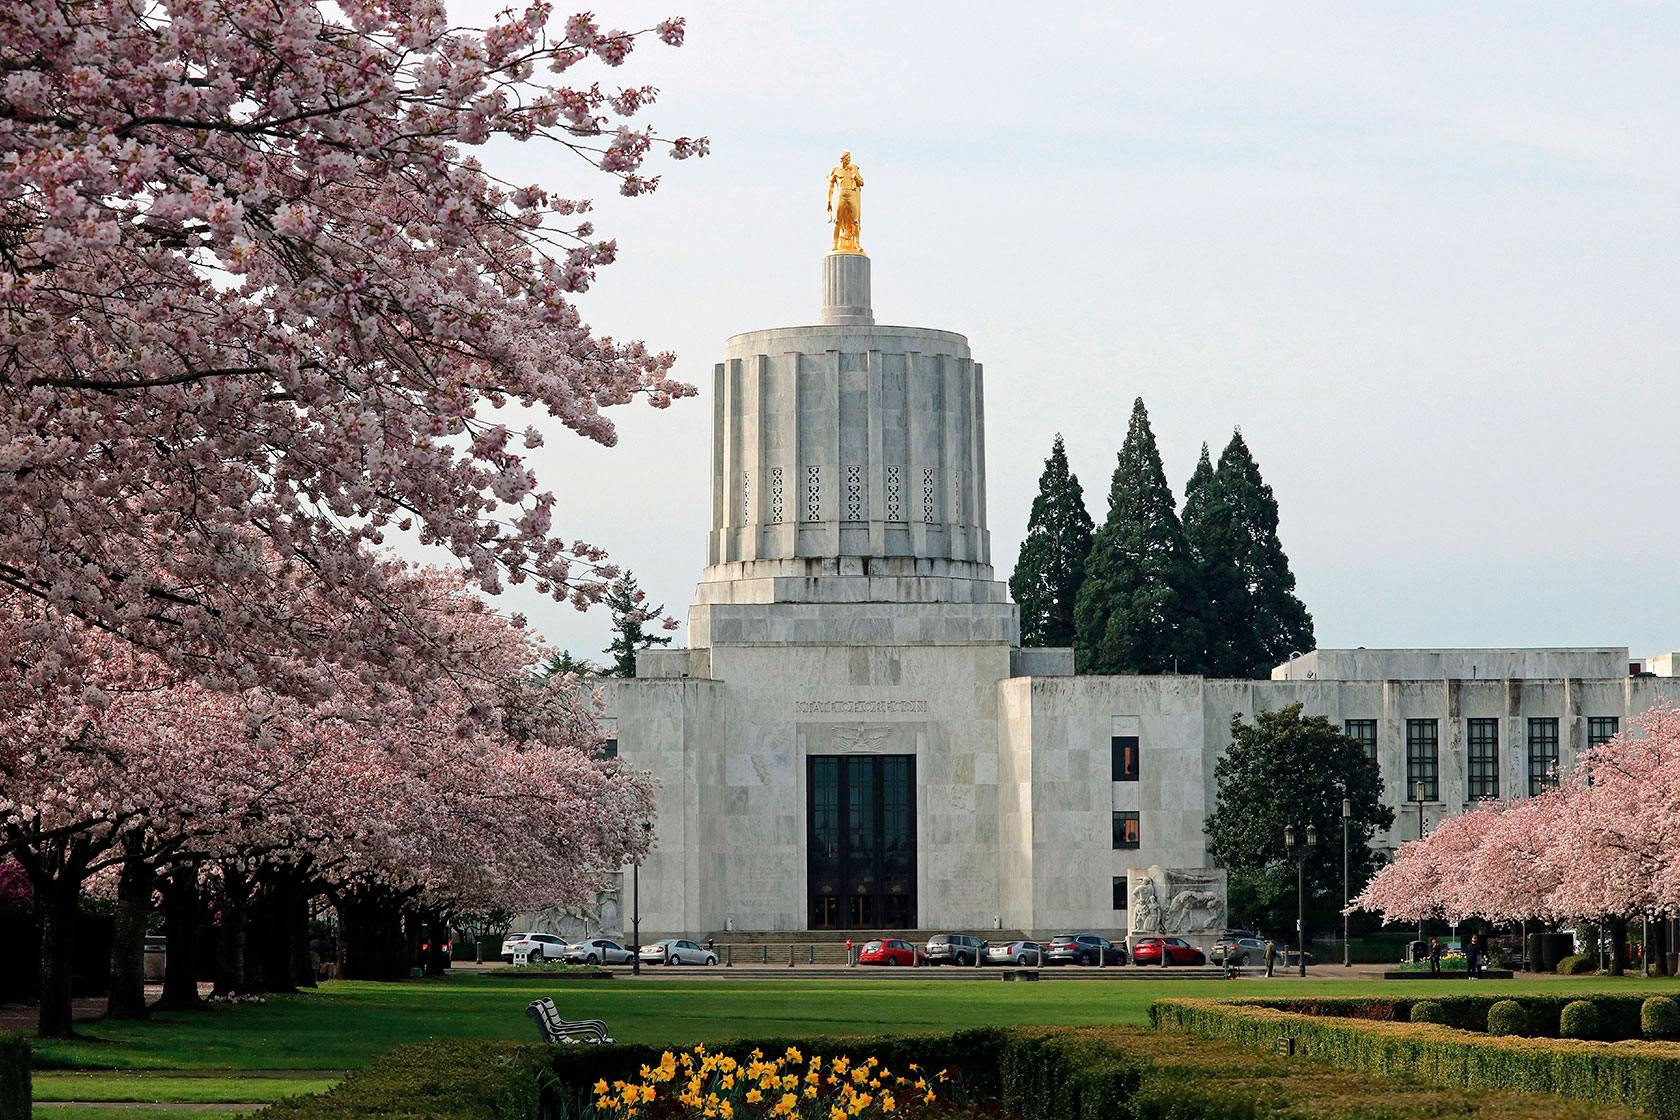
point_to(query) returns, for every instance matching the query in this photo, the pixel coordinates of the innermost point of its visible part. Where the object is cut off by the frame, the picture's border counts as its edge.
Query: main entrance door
(861, 842)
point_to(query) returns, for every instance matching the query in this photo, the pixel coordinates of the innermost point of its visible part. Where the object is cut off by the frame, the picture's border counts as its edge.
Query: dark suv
(1083, 948)
(953, 948)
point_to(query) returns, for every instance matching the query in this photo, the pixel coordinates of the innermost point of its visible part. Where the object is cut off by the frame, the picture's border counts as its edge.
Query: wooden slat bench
(555, 1029)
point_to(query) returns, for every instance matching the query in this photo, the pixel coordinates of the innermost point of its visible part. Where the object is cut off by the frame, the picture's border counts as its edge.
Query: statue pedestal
(846, 299)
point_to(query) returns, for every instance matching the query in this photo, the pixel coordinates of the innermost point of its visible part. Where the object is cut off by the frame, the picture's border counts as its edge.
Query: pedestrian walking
(1271, 955)
(1435, 956)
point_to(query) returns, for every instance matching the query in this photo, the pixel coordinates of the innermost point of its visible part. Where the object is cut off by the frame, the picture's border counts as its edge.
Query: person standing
(1271, 955)
(1472, 958)
(1435, 957)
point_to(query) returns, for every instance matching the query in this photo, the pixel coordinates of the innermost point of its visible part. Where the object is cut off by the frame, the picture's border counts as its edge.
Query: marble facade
(849, 611)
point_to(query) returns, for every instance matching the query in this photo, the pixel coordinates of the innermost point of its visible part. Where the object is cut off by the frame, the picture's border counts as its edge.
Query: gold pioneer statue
(846, 210)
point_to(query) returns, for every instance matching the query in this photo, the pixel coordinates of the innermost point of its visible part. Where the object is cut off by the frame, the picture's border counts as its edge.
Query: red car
(1179, 951)
(890, 951)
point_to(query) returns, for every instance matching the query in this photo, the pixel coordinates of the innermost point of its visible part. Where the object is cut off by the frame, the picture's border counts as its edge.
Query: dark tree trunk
(1618, 928)
(55, 908)
(180, 928)
(1656, 949)
(303, 970)
(230, 947)
(127, 997)
(372, 944)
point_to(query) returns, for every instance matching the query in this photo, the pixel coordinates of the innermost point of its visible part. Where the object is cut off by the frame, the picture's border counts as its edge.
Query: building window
(609, 748)
(1542, 754)
(1602, 729)
(1126, 831)
(1364, 731)
(1120, 892)
(1482, 738)
(1123, 762)
(1423, 756)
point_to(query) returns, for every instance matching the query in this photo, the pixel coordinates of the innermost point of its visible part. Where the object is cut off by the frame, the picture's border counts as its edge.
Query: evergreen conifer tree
(1230, 521)
(1139, 609)
(629, 607)
(1052, 562)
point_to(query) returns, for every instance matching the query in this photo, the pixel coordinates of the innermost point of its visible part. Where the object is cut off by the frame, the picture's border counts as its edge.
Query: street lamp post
(1300, 889)
(636, 910)
(1416, 791)
(1347, 815)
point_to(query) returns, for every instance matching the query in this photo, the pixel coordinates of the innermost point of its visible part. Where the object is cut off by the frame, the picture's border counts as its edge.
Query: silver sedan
(1016, 953)
(598, 950)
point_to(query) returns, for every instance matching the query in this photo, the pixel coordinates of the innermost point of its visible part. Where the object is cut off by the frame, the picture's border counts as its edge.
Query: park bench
(555, 1029)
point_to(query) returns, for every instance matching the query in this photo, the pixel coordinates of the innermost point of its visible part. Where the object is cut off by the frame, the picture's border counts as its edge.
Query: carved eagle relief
(860, 738)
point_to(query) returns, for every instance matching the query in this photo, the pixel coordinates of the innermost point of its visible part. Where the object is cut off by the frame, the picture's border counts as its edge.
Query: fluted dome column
(846, 290)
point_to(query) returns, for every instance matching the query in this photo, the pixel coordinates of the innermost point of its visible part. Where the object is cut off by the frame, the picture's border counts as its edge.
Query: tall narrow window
(1123, 758)
(1602, 729)
(1542, 754)
(1365, 732)
(1120, 892)
(609, 748)
(1126, 833)
(1423, 756)
(1482, 739)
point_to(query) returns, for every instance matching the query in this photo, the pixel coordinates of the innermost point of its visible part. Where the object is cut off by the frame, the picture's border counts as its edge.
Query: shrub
(1575, 965)
(14, 1077)
(1587, 938)
(1428, 1011)
(1579, 1020)
(1642, 1075)
(1659, 1017)
(1507, 1017)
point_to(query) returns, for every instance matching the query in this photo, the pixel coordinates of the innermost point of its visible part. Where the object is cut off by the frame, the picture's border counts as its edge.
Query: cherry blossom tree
(260, 304)
(1601, 846)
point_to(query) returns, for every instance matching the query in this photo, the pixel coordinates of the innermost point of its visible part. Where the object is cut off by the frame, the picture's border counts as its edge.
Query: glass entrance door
(861, 842)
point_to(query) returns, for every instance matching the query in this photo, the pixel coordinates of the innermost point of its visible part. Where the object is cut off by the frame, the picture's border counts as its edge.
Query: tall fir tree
(630, 610)
(1231, 521)
(1051, 566)
(1139, 609)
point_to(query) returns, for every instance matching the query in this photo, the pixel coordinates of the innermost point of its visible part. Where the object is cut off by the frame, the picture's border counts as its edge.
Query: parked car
(677, 952)
(535, 946)
(1240, 934)
(1238, 950)
(1179, 951)
(1083, 948)
(953, 948)
(598, 950)
(1016, 953)
(889, 952)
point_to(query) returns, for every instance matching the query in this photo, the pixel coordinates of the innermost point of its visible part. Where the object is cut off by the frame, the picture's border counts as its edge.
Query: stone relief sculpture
(1145, 909)
(1194, 900)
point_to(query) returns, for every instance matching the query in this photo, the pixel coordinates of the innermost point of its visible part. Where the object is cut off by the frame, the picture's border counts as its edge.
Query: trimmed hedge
(1576, 965)
(1659, 1017)
(1507, 1017)
(1620, 1016)
(1045, 1073)
(1579, 1020)
(1642, 1075)
(1428, 1011)
(15, 1090)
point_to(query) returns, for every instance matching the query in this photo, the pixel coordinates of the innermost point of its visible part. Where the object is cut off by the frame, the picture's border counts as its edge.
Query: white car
(598, 950)
(536, 946)
(677, 952)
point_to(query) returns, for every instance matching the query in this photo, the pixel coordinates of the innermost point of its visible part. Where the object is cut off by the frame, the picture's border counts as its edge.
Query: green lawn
(130, 1087)
(343, 1025)
(94, 1112)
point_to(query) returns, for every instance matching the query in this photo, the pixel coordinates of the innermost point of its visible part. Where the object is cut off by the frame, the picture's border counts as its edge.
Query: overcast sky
(1425, 255)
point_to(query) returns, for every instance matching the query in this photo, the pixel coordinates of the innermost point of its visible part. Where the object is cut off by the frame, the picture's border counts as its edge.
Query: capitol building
(854, 738)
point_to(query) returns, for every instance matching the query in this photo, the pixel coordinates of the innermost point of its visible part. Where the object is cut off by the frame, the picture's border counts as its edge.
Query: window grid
(1365, 732)
(1542, 754)
(1123, 758)
(1601, 729)
(1122, 893)
(813, 492)
(893, 490)
(609, 748)
(1482, 741)
(1126, 832)
(927, 496)
(775, 495)
(1423, 755)
(854, 493)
